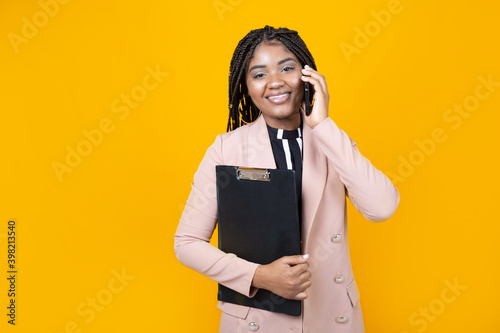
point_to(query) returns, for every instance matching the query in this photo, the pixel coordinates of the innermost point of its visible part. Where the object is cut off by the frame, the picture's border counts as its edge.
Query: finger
(310, 72)
(299, 269)
(316, 84)
(301, 296)
(305, 285)
(305, 276)
(295, 260)
(309, 69)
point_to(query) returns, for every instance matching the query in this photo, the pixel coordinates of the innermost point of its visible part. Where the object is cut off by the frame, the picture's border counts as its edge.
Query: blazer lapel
(259, 152)
(314, 174)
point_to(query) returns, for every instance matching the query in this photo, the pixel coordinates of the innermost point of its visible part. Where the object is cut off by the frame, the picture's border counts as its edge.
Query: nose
(275, 81)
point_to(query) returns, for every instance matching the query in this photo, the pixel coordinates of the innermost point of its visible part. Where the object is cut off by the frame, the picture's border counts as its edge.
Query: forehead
(265, 53)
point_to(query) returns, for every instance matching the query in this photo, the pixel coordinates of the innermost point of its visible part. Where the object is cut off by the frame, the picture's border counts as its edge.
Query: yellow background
(118, 209)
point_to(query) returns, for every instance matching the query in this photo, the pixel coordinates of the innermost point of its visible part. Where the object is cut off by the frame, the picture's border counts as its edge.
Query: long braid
(241, 108)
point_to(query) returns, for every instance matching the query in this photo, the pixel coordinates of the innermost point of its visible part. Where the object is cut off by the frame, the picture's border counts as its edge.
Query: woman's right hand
(287, 277)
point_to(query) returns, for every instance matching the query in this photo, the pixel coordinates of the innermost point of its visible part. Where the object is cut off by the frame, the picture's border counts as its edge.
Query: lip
(279, 100)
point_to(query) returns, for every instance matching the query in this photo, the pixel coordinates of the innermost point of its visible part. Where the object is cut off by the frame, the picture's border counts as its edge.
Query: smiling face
(275, 71)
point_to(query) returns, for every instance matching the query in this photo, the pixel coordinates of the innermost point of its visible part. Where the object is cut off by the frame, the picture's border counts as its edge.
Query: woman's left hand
(319, 111)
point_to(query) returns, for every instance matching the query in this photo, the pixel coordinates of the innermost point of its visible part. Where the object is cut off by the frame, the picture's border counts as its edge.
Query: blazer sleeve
(197, 224)
(369, 190)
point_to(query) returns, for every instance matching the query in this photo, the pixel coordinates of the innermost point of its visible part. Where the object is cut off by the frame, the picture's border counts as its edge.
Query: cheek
(256, 89)
(297, 83)
(298, 86)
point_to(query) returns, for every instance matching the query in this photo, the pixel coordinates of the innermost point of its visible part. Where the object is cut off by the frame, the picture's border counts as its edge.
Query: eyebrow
(264, 66)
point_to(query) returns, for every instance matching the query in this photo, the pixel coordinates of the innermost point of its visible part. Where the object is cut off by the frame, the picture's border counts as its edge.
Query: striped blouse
(287, 150)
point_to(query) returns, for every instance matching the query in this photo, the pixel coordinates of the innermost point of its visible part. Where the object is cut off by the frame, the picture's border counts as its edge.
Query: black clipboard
(258, 220)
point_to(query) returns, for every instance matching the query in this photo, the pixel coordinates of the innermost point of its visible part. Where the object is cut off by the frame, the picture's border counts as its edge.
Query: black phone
(306, 98)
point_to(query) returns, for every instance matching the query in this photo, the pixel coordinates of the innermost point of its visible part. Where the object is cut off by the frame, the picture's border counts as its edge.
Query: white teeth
(278, 96)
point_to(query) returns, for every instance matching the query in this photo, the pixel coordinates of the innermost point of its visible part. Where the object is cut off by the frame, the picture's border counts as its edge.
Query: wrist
(258, 277)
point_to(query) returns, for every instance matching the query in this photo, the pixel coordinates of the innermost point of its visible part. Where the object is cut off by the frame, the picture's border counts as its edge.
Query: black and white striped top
(287, 150)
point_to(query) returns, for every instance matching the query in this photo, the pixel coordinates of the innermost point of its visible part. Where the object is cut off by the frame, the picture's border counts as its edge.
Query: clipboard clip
(262, 175)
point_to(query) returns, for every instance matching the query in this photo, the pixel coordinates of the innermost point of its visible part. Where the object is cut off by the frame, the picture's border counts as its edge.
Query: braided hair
(241, 108)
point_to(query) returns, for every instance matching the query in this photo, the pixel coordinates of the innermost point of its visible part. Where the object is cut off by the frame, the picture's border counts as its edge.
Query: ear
(302, 109)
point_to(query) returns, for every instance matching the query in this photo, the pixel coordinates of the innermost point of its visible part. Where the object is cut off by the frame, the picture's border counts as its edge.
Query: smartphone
(306, 98)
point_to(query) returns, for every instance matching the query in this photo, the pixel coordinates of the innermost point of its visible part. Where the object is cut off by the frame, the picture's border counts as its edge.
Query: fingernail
(306, 256)
(307, 66)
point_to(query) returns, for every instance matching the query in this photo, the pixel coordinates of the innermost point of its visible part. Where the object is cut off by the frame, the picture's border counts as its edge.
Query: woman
(266, 91)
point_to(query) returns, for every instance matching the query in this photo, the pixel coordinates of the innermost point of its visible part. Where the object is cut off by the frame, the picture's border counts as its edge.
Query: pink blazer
(333, 168)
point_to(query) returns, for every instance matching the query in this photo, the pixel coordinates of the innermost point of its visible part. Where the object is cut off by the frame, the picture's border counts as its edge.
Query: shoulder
(237, 141)
(235, 137)
(237, 133)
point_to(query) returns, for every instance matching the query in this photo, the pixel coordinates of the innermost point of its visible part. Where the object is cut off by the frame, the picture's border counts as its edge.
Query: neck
(284, 124)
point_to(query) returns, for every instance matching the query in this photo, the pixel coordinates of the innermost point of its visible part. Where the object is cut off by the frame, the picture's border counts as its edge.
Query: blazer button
(339, 279)
(336, 238)
(253, 327)
(341, 319)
